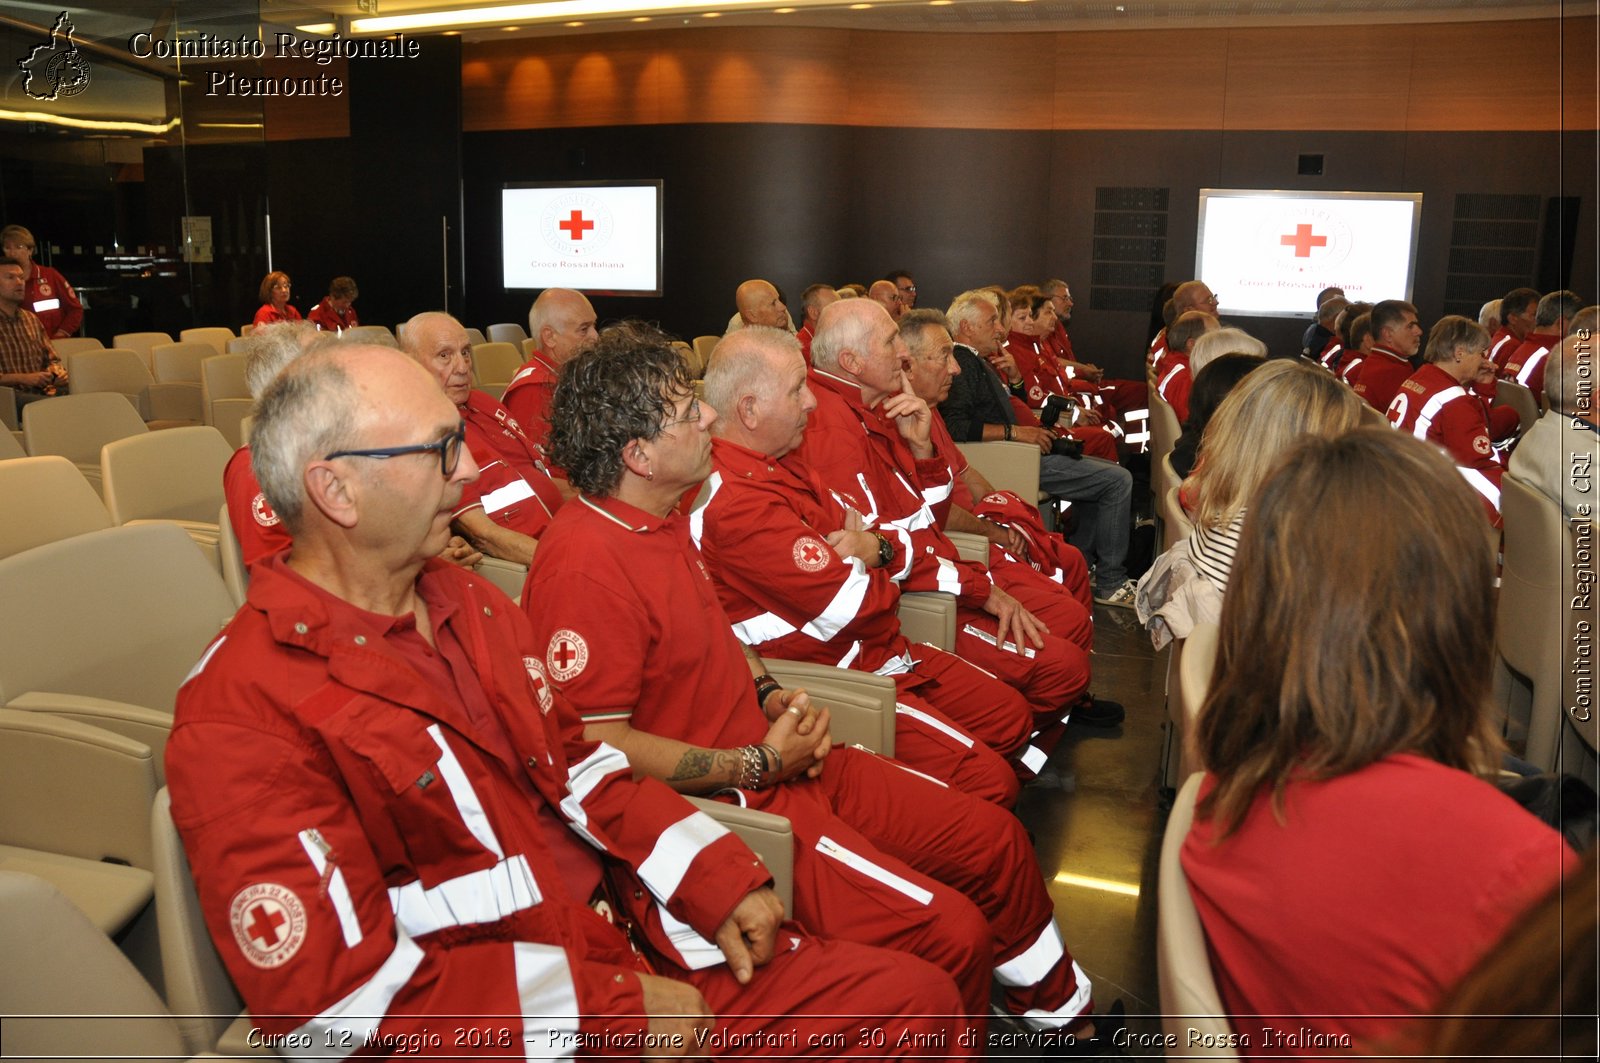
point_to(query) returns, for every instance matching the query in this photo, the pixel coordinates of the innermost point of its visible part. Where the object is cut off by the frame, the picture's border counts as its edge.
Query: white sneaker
(1122, 597)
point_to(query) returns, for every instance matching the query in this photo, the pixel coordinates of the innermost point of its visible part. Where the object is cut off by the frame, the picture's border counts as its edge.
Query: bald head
(438, 342)
(1193, 295)
(561, 323)
(844, 326)
(756, 381)
(759, 304)
(886, 295)
(1187, 328)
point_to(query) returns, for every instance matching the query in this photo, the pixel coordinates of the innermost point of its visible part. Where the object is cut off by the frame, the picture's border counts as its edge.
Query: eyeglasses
(449, 449)
(692, 416)
(909, 289)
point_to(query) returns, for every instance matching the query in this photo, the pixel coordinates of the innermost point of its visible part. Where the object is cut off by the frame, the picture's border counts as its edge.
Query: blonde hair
(1268, 412)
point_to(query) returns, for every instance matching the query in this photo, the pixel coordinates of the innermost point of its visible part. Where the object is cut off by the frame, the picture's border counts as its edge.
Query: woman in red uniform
(275, 306)
(49, 295)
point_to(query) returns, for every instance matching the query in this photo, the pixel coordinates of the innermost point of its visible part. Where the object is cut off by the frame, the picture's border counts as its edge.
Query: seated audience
(47, 292)
(1349, 860)
(275, 305)
(1396, 337)
(886, 295)
(1174, 377)
(396, 827)
(560, 323)
(1355, 341)
(812, 301)
(1321, 331)
(1560, 454)
(1518, 310)
(1211, 385)
(1434, 404)
(1525, 365)
(28, 363)
(906, 285)
(336, 312)
(1271, 410)
(883, 856)
(1222, 341)
(1489, 318)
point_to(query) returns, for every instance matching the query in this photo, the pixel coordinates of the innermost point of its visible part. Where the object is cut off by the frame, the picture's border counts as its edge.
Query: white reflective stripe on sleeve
(916, 521)
(894, 666)
(1033, 963)
(1069, 1012)
(46, 304)
(856, 862)
(582, 778)
(948, 577)
(1431, 408)
(675, 849)
(1535, 360)
(549, 1001)
(932, 496)
(204, 660)
(694, 951)
(467, 803)
(697, 518)
(923, 718)
(1010, 647)
(844, 607)
(905, 542)
(1138, 437)
(1137, 415)
(338, 891)
(872, 503)
(484, 896)
(507, 495)
(854, 652)
(349, 1024)
(1032, 758)
(763, 628)
(1161, 388)
(1482, 484)
(1495, 352)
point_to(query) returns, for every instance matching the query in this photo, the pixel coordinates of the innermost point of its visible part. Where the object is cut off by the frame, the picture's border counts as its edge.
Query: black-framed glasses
(448, 448)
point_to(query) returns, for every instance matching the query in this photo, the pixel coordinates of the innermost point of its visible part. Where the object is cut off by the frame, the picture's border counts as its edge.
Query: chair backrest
(140, 342)
(691, 359)
(1009, 466)
(74, 344)
(198, 988)
(379, 334)
(1175, 523)
(496, 362)
(77, 426)
(8, 406)
(1519, 398)
(703, 346)
(1191, 1007)
(476, 336)
(770, 837)
(1530, 627)
(179, 363)
(1164, 427)
(238, 345)
(1196, 663)
(508, 332)
(122, 614)
(10, 445)
(116, 369)
(215, 336)
(231, 558)
(225, 396)
(175, 474)
(46, 499)
(861, 705)
(90, 1001)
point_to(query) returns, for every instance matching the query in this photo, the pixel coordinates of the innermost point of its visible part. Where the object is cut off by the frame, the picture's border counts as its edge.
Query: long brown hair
(1359, 622)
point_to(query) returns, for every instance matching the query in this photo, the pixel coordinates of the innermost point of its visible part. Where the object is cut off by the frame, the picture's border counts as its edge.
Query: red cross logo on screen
(576, 225)
(264, 924)
(1302, 241)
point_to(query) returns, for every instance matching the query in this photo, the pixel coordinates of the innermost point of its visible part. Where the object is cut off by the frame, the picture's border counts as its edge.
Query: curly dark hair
(620, 389)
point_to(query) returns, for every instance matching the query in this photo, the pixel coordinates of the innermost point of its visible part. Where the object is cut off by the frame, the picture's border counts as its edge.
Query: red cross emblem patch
(261, 510)
(1482, 445)
(566, 655)
(541, 685)
(811, 554)
(269, 924)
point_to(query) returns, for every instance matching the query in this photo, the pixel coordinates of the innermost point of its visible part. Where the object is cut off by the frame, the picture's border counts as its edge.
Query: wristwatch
(885, 550)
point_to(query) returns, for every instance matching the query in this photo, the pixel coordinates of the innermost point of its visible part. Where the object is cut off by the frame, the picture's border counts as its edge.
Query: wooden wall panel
(1363, 83)
(1476, 76)
(1580, 90)
(306, 117)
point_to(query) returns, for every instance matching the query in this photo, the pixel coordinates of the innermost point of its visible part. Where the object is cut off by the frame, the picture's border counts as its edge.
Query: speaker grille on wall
(1493, 239)
(1130, 247)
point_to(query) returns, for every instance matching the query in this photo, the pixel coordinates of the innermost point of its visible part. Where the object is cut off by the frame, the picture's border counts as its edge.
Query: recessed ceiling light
(712, 14)
(509, 29)
(451, 33)
(783, 11)
(940, 3)
(572, 25)
(859, 7)
(640, 18)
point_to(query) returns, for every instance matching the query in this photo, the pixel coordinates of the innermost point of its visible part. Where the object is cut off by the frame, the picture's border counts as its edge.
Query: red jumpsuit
(393, 840)
(1175, 382)
(1432, 405)
(1379, 378)
(514, 486)
(53, 301)
(259, 530)
(326, 318)
(1043, 375)
(528, 396)
(788, 595)
(268, 315)
(632, 629)
(855, 452)
(1526, 364)
(804, 336)
(1500, 347)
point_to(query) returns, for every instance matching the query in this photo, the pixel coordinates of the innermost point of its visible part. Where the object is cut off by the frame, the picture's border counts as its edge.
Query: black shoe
(1096, 712)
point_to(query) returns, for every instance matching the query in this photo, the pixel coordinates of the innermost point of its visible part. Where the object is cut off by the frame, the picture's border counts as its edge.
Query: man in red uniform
(396, 828)
(638, 643)
(336, 312)
(1173, 380)
(1189, 296)
(886, 295)
(48, 295)
(561, 323)
(1437, 404)
(28, 362)
(1526, 364)
(812, 302)
(505, 510)
(1518, 309)
(1396, 336)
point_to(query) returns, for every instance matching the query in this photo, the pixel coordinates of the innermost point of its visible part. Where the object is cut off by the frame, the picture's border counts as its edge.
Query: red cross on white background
(1302, 241)
(264, 924)
(576, 225)
(565, 654)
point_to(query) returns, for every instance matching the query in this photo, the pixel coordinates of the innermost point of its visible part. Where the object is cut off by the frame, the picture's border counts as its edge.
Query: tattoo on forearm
(700, 763)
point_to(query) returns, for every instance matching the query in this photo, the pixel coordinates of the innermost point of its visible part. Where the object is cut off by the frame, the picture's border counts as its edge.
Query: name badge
(46, 304)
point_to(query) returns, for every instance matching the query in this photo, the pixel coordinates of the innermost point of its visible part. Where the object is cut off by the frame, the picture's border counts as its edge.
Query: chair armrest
(139, 723)
(929, 616)
(73, 789)
(971, 547)
(507, 575)
(1009, 465)
(769, 837)
(861, 705)
(8, 407)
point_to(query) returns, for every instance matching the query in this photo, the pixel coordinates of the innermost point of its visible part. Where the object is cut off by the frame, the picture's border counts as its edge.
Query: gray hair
(738, 367)
(308, 410)
(1555, 306)
(1569, 376)
(1218, 342)
(1490, 311)
(965, 308)
(915, 322)
(841, 327)
(271, 347)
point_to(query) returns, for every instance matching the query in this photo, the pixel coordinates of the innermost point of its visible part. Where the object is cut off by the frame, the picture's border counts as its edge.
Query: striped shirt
(1212, 550)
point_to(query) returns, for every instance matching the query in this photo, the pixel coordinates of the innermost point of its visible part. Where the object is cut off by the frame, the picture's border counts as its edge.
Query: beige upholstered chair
(703, 346)
(128, 373)
(929, 616)
(378, 334)
(861, 704)
(46, 499)
(1529, 407)
(770, 837)
(508, 332)
(496, 363)
(66, 990)
(476, 336)
(1175, 523)
(1196, 663)
(74, 344)
(1164, 427)
(507, 575)
(1189, 998)
(174, 476)
(224, 395)
(215, 337)
(1010, 466)
(140, 342)
(8, 407)
(10, 444)
(77, 426)
(1372, 416)
(971, 547)
(230, 558)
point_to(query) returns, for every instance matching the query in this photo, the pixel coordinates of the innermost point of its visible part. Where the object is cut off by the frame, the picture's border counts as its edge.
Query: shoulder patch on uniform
(269, 924)
(541, 682)
(261, 510)
(1482, 445)
(566, 655)
(811, 554)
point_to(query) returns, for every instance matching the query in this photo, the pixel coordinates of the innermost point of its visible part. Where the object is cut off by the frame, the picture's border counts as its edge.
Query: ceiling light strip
(552, 11)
